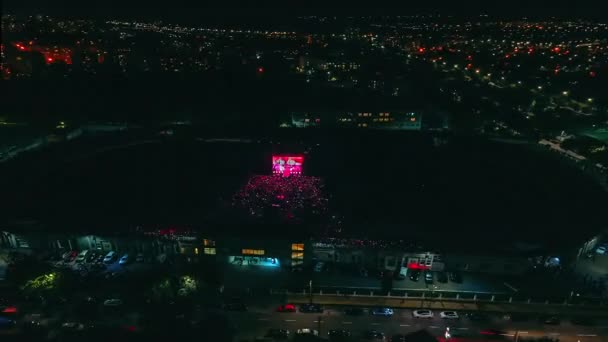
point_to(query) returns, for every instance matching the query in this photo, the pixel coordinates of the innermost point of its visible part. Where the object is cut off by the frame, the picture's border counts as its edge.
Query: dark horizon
(275, 11)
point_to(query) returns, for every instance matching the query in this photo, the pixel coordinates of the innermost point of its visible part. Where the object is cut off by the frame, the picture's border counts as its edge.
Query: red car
(287, 308)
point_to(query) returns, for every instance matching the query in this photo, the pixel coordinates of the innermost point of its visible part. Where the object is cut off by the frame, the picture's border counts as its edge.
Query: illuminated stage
(287, 165)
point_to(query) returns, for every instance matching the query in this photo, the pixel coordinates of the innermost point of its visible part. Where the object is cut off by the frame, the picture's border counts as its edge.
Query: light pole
(310, 291)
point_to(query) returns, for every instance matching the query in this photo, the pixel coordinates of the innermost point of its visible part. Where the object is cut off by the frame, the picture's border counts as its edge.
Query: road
(258, 320)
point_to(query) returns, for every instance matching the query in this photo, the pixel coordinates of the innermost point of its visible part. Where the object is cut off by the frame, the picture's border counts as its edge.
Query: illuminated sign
(287, 165)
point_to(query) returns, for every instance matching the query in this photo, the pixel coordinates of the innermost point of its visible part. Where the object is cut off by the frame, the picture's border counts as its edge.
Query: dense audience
(292, 197)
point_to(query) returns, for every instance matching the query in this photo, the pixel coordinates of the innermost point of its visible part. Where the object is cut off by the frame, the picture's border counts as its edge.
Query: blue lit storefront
(270, 254)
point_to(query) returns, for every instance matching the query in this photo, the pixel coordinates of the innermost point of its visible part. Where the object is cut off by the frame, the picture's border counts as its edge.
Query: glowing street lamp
(589, 100)
(565, 93)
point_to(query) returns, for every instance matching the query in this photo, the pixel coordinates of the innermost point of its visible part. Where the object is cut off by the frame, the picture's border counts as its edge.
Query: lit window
(209, 243)
(196, 250)
(209, 251)
(252, 252)
(297, 246)
(297, 255)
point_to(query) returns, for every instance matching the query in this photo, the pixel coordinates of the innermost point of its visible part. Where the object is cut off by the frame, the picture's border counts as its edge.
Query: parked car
(112, 302)
(72, 326)
(477, 316)
(287, 308)
(7, 323)
(374, 335)
(423, 313)
(455, 277)
(517, 317)
(82, 256)
(124, 260)
(382, 312)
(69, 256)
(311, 308)
(551, 320)
(278, 334)
(139, 257)
(307, 331)
(354, 311)
(601, 250)
(449, 315)
(109, 258)
(398, 338)
(92, 257)
(338, 334)
(402, 274)
(428, 277)
(414, 275)
(442, 277)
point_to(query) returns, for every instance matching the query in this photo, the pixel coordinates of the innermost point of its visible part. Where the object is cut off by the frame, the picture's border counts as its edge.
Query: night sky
(264, 10)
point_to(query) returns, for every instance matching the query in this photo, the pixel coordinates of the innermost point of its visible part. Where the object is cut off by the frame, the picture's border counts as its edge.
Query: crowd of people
(292, 196)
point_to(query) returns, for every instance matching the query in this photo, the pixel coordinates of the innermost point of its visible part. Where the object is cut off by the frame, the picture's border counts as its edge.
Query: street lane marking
(404, 325)
(290, 320)
(347, 322)
(462, 328)
(433, 327)
(317, 321)
(586, 335)
(554, 333)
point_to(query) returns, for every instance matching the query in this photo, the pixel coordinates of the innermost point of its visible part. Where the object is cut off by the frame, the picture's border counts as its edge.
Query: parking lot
(332, 280)
(99, 264)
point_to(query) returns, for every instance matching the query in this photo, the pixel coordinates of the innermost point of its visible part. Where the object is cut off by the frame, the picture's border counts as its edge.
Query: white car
(82, 256)
(601, 250)
(73, 325)
(112, 302)
(423, 314)
(449, 315)
(124, 260)
(109, 257)
(382, 312)
(306, 331)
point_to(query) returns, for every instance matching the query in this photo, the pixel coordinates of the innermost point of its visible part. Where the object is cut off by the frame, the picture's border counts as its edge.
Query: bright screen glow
(287, 165)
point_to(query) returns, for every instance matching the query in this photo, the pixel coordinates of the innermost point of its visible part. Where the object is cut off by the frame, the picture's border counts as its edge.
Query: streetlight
(310, 291)
(565, 93)
(589, 100)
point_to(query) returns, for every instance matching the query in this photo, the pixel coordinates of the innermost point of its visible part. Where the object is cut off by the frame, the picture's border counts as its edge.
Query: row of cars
(429, 314)
(429, 277)
(88, 256)
(333, 334)
(381, 311)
